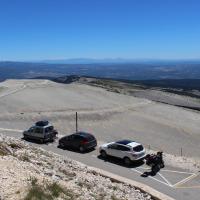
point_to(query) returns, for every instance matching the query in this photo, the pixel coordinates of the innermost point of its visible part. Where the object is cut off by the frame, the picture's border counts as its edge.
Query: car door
(77, 141)
(39, 132)
(64, 140)
(68, 141)
(123, 151)
(112, 150)
(30, 132)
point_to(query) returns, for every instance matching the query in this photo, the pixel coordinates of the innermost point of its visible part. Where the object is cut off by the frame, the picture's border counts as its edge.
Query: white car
(125, 149)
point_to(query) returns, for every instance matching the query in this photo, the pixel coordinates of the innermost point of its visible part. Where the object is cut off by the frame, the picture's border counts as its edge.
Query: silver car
(43, 132)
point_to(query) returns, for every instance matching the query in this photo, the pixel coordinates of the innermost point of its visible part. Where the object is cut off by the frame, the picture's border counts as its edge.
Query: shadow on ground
(120, 162)
(37, 141)
(76, 150)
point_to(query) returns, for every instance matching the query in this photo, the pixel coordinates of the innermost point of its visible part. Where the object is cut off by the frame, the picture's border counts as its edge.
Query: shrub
(37, 193)
(47, 191)
(55, 189)
(4, 149)
(25, 157)
(15, 146)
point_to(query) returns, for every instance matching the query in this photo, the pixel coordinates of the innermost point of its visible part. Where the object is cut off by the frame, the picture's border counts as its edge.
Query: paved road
(174, 182)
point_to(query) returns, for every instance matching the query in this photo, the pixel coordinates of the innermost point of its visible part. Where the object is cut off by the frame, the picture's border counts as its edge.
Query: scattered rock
(18, 174)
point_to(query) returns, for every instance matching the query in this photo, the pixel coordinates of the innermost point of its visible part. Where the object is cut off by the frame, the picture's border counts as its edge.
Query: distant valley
(127, 71)
(178, 77)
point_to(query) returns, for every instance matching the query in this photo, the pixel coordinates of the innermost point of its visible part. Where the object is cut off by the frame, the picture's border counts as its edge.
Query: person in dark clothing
(156, 162)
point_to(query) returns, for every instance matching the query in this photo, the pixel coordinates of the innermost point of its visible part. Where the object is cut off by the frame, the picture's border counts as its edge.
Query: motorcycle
(155, 161)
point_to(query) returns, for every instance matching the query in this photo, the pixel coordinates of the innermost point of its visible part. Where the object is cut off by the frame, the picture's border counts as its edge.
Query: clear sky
(57, 29)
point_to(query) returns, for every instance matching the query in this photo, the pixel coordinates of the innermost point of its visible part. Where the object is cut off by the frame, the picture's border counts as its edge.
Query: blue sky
(58, 29)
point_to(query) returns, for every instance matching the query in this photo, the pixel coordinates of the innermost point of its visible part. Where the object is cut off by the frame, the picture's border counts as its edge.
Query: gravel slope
(22, 164)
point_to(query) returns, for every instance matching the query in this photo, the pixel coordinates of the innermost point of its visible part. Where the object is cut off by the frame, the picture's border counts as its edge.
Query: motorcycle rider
(155, 161)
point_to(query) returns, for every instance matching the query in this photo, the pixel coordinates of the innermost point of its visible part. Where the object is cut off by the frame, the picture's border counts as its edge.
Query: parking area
(171, 177)
(175, 182)
(168, 176)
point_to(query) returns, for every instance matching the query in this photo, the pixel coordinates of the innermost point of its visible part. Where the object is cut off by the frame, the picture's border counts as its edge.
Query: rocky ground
(32, 173)
(178, 97)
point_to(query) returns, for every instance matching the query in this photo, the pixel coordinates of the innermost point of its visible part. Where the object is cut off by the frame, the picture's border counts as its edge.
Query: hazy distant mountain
(88, 61)
(116, 61)
(153, 70)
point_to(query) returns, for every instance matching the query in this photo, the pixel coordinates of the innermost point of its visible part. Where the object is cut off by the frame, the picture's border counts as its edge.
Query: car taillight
(84, 141)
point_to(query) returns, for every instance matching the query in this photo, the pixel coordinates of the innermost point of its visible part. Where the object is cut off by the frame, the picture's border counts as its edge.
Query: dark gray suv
(81, 141)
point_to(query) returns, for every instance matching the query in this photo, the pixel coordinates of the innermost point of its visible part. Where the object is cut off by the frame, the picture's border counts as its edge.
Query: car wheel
(61, 145)
(127, 161)
(103, 154)
(81, 149)
(41, 141)
(25, 137)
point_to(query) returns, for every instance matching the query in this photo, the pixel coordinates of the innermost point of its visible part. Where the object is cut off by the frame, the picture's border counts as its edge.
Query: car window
(78, 137)
(64, 138)
(113, 146)
(49, 129)
(138, 148)
(39, 130)
(90, 137)
(31, 130)
(70, 137)
(122, 148)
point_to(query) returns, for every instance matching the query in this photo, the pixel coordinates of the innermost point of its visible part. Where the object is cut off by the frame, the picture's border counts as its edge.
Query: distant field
(126, 71)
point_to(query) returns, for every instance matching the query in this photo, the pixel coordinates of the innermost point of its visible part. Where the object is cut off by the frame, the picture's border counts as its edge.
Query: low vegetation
(4, 150)
(47, 191)
(24, 157)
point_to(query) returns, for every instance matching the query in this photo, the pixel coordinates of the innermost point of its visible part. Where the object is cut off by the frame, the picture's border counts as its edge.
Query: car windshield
(90, 137)
(31, 129)
(87, 136)
(138, 148)
(124, 142)
(48, 129)
(39, 130)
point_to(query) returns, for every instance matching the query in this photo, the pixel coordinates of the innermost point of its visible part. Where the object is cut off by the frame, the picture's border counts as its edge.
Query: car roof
(129, 143)
(84, 134)
(124, 142)
(35, 126)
